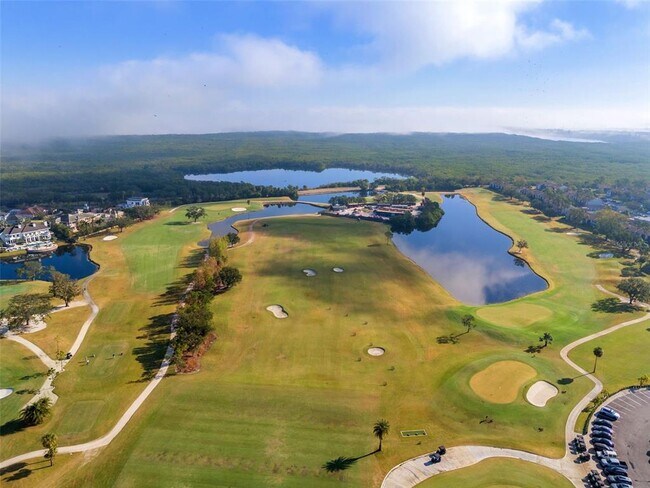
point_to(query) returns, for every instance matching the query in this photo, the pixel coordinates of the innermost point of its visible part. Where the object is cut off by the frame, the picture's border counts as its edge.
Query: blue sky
(89, 68)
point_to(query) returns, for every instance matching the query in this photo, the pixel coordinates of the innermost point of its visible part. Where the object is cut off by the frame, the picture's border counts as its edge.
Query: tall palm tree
(36, 413)
(468, 322)
(51, 443)
(598, 353)
(380, 429)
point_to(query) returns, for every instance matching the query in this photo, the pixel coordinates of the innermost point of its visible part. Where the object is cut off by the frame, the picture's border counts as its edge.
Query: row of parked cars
(602, 434)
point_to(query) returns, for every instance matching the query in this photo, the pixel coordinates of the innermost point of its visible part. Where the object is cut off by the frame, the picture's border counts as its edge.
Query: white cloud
(631, 4)
(559, 32)
(410, 35)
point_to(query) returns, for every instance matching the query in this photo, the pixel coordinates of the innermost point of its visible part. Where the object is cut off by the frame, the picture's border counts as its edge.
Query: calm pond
(469, 258)
(71, 260)
(283, 177)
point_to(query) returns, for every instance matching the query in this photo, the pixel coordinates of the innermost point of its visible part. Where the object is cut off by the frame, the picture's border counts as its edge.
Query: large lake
(282, 178)
(469, 258)
(464, 254)
(71, 260)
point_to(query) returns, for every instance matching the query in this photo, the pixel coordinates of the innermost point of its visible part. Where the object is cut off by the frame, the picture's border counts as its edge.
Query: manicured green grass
(275, 399)
(12, 288)
(62, 330)
(518, 314)
(135, 290)
(499, 473)
(22, 371)
(625, 356)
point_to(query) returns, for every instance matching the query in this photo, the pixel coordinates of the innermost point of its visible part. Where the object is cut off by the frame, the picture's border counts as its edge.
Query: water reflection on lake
(71, 260)
(469, 258)
(283, 177)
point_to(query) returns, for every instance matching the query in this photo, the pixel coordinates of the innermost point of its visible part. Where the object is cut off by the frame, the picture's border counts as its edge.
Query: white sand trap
(540, 393)
(238, 209)
(573, 233)
(109, 238)
(278, 311)
(376, 351)
(5, 392)
(338, 270)
(309, 272)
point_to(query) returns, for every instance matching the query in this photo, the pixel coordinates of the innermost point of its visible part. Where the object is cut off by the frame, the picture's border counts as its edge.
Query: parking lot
(632, 434)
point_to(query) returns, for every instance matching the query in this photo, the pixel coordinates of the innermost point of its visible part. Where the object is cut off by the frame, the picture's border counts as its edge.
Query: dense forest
(106, 169)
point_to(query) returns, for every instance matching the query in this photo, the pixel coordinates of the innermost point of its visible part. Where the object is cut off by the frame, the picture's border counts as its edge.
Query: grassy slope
(62, 329)
(278, 398)
(499, 473)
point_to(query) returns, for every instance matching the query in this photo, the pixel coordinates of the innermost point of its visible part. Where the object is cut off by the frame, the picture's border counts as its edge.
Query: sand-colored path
(415, 470)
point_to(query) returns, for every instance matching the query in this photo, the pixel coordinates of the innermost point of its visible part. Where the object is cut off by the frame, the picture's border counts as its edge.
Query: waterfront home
(25, 234)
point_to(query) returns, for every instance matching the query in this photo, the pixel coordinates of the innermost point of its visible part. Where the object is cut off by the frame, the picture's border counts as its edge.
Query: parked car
(584, 457)
(435, 457)
(607, 416)
(620, 485)
(611, 412)
(603, 422)
(604, 438)
(612, 461)
(617, 478)
(442, 450)
(615, 470)
(606, 453)
(601, 428)
(600, 446)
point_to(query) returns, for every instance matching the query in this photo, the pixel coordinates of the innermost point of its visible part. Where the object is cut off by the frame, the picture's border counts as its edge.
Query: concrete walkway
(415, 470)
(47, 390)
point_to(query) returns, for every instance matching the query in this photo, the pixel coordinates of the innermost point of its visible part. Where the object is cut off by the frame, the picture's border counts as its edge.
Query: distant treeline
(108, 169)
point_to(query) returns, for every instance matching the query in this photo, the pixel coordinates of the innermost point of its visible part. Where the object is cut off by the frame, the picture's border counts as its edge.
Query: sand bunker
(109, 238)
(309, 272)
(572, 233)
(501, 381)
(5, 392)
(278, 311)
(376, 351)
(238, 209)
(540, 393)
(338, 270)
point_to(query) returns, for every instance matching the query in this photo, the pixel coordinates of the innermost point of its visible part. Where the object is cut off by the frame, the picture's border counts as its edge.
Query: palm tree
(35, 413)
(546, 338)
(389, 236)
(51, 443)
(380, 429)
(598, 353)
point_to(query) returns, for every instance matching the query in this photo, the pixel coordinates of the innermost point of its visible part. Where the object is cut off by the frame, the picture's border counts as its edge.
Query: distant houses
(137, 202)
(28, 234)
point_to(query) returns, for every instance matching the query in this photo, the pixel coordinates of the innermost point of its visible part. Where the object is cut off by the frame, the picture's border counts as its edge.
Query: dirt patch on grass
(192, 361)
(514, 315)
(501, 381)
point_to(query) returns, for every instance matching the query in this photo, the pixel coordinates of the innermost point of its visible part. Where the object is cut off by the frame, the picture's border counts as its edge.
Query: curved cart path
(417, 469)
(124, 419)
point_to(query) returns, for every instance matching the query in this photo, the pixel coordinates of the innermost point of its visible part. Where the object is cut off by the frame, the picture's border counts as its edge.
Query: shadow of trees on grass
(342, 463)
(612, 305)
(151, 354)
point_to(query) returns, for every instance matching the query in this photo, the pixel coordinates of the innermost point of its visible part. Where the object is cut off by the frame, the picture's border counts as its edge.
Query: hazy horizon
(343, 67)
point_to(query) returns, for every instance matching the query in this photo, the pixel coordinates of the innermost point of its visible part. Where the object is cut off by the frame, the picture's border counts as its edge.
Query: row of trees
(213, 276)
